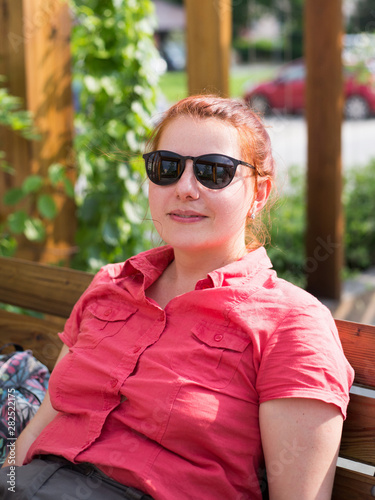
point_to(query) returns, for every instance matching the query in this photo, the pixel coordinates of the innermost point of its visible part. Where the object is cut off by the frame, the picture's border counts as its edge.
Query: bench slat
(39, 335)
(358, 440)
(350, 485)
(358, 342)
(40, 287)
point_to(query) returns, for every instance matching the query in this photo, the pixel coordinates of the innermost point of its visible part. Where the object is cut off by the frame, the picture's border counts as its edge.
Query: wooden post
(12, 66)
(208, 46)
(35, 57)
(324, 111)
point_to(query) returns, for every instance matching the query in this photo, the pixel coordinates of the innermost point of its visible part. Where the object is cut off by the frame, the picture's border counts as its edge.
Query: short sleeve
(304, 358)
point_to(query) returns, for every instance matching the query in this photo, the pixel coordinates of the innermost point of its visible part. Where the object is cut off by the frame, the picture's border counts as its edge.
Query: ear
(264, 186)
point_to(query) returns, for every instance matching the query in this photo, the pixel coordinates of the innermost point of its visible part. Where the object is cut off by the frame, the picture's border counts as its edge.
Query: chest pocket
(101, 320)
(213, 354)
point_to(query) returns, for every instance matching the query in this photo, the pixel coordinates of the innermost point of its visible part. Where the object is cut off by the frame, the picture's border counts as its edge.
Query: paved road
(289, 138)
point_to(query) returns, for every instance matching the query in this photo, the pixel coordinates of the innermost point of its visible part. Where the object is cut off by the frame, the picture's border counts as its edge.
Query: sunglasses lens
(214, 171)
(163, 168)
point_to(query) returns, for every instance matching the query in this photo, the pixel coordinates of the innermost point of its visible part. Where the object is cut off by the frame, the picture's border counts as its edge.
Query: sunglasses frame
(195, 159)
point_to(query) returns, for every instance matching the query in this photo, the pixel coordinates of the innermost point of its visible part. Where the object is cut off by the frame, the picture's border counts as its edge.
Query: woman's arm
(301, 439)
(43, 417)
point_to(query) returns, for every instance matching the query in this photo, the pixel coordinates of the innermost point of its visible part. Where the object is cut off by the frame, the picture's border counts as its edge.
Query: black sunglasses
(214, 171)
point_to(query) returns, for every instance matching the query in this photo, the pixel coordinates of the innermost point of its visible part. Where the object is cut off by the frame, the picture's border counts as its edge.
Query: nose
(187, 185)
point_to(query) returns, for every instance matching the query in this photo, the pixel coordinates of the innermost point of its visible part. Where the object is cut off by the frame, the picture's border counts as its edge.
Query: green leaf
(88, 211)
(132, 140)
(92, 84)
(132, 186)
(34, 230)
(56, 173)
(133, 212)
(47, 206)
(110, 234)
(32, 183)
(69, 188)
(13, 196)
(8, 246)
(16, 221)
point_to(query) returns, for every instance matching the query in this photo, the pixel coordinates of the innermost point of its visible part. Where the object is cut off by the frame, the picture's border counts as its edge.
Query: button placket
(129, 359)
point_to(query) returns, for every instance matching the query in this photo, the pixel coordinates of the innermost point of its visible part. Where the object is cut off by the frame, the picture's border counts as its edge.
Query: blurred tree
(290, 15)
(240, 14)
(288, 12)
(362, 18)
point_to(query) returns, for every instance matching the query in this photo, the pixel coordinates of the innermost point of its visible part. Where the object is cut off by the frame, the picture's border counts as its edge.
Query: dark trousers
(54, 478)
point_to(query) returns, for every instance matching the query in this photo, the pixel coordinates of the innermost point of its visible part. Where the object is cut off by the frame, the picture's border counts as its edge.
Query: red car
(287, 92)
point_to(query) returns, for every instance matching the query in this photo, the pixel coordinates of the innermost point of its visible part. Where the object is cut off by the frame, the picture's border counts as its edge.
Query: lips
(186, 216)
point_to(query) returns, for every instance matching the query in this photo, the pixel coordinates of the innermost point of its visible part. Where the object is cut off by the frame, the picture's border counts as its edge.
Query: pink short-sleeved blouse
(167, 401)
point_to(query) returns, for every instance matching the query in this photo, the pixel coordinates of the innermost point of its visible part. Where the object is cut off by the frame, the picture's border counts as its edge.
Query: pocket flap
(108, 310)
(222, 336)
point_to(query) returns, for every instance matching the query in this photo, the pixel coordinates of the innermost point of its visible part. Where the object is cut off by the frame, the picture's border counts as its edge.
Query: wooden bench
(52, 292)
(49, 292)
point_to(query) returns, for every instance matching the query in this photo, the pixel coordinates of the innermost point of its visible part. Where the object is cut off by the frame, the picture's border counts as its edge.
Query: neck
(183, 273)
(190, 267)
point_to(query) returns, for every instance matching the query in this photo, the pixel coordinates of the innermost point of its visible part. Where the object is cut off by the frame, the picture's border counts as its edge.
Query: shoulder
(297, 299)
(298, 315)
(282, 319)
(271, 300)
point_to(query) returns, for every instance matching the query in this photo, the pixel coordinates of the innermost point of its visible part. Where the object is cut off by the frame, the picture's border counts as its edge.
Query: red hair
(255, 143)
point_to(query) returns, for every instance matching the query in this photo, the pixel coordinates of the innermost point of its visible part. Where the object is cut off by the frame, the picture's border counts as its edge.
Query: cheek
(154, 198)
(239, 201)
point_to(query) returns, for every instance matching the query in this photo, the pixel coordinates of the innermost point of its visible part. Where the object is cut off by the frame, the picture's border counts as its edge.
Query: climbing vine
(115, 81)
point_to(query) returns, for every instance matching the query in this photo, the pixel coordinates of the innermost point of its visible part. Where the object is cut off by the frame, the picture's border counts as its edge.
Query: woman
(190, 366)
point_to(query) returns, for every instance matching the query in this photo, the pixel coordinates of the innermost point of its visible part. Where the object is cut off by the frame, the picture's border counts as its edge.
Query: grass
(174, 85)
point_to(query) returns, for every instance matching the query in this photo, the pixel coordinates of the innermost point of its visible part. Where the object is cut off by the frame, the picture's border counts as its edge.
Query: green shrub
(359, 201)
(288, 216)
(259, 50)
(115, 71)
(31, 204)
(287, 232)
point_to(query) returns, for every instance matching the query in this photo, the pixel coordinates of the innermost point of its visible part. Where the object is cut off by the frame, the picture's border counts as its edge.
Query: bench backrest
(49, 292)
(358, 440)
(53, 291)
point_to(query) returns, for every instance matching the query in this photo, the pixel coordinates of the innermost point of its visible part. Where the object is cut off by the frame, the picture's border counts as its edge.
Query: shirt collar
(152, 263)
(246, 267)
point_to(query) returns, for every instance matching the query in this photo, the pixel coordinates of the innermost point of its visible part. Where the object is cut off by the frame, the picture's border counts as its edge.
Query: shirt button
(113, 382)
(218, 337)
(108, 312)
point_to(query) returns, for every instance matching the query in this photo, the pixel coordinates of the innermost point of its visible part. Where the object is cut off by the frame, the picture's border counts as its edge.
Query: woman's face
(191, 217)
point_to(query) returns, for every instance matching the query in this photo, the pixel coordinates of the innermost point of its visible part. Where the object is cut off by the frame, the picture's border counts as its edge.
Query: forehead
(196, 136)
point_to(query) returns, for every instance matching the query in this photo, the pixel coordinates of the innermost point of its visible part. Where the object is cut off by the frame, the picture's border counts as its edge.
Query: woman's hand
(301, 439)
